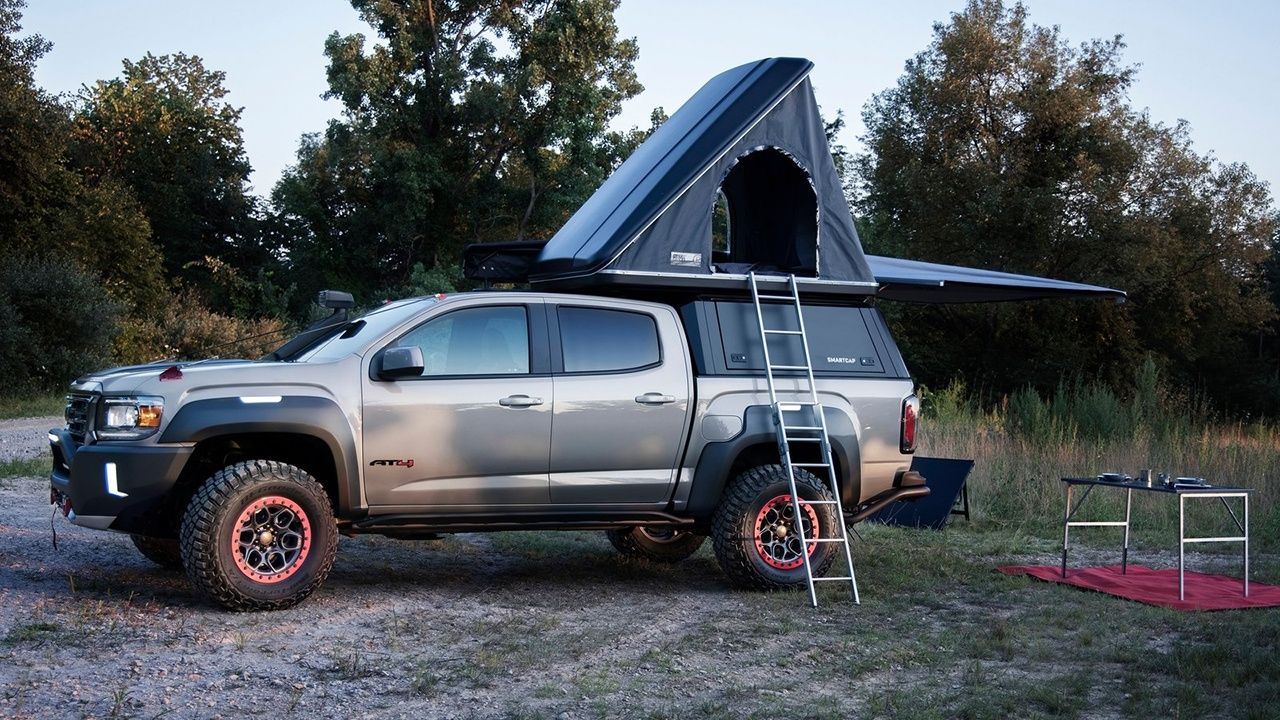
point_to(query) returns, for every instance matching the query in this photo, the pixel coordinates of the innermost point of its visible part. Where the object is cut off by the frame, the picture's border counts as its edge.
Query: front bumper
(112, 485)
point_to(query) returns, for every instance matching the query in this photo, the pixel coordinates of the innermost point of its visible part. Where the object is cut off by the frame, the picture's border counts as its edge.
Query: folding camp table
(1184, 492)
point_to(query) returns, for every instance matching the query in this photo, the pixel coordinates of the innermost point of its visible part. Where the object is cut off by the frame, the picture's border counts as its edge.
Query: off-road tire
(161, 551)
(733, 529)
(655, 545)
(216, 517)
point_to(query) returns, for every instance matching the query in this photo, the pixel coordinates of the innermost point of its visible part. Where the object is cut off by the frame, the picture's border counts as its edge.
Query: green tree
(1003, 146)
(164, 130)
(69, 250)
(469, 121)
(33, 130)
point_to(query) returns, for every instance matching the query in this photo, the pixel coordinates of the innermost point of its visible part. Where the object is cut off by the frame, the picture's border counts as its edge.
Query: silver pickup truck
(486, 411)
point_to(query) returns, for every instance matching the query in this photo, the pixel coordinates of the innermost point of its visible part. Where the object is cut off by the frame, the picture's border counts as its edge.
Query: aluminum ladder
(811, 430)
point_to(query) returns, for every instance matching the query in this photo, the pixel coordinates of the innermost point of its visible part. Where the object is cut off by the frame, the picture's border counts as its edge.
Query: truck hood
(128, 378)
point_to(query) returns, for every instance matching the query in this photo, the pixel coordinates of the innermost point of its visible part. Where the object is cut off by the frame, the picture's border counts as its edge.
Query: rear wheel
(258, 535)
(657, 544)
(161, 551)
(755, 530)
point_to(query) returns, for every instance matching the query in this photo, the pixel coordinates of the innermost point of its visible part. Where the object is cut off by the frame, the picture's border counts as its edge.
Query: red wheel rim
(776, 538)
(272, 539)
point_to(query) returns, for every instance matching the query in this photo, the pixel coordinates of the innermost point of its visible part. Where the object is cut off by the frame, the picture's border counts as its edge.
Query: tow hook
(60, 500)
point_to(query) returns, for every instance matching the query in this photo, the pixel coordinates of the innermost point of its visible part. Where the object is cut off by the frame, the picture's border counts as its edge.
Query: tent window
(773, 212)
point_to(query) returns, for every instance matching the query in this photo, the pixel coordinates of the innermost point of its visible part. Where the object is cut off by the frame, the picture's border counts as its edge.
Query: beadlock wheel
(272, 539)
(776, 537)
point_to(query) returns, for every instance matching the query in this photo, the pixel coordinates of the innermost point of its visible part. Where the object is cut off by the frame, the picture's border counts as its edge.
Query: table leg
(1066, 530)
(1124, 557)
(1246, 545)
(1182, 534)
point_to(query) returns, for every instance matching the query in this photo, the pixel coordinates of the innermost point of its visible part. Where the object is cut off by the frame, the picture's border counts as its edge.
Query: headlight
(129, 418)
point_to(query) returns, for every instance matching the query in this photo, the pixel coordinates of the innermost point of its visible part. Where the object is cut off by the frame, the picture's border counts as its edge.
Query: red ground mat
(1158, 587)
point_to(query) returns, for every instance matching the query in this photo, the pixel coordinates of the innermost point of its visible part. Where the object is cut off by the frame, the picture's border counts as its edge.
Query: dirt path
(26, 438)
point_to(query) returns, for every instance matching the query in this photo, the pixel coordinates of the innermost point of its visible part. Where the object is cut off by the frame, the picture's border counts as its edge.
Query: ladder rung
(833, 579)
(826, 465)
(818, 502)
(767, 331)
(793, 406)
(788, 367)
(823, 540)
(775, 297)
(801, 427)
(800, 439)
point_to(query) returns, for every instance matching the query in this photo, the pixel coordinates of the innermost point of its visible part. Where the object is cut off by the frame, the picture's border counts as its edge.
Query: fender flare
(715, 463)
(317, 417)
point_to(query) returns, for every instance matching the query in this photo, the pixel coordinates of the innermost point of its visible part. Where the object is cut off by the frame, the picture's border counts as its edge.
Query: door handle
(519, 401)
(653, 398)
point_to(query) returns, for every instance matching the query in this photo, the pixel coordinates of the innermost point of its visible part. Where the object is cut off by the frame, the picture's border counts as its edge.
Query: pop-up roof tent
(752, 139)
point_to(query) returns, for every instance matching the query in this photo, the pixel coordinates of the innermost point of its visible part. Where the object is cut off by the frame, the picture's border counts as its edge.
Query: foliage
(31, 143)
(165, 130)
(186, 330)
(468, 121)
(1003, 146)
(42, 345)
(439, 279)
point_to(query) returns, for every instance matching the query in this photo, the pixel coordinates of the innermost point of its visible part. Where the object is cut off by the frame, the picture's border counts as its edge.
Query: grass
(939, 635)
(1022, 446)
(26, 467)
(30, 406)
(28, 632)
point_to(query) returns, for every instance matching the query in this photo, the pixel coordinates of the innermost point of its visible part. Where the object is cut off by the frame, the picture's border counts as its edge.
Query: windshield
(352, 336)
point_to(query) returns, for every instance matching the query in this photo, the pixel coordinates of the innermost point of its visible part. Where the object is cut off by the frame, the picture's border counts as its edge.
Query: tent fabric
(1158, 587)
(924, 282)
(653, 214)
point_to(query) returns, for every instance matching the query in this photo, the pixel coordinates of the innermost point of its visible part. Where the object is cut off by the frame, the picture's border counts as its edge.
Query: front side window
(596, 340)
(473, 341)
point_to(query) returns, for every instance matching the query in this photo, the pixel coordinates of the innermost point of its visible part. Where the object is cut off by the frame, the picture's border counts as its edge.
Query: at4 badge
(401, 463)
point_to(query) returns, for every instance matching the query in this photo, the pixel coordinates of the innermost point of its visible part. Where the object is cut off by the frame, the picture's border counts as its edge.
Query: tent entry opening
(765, 217)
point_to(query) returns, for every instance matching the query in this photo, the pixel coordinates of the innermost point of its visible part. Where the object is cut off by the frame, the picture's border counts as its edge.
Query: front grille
(79, 415)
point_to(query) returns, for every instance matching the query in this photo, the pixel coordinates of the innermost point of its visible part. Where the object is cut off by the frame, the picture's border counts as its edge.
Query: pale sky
(1214, 64)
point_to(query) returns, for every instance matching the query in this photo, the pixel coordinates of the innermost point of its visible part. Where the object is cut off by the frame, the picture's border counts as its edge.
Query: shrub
(187, 330)
(56, 322)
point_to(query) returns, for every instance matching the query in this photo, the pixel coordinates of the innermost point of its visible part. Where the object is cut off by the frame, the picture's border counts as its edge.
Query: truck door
(622, 389)
(474, 429)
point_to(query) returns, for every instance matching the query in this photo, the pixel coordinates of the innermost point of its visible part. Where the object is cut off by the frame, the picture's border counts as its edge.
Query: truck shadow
(514, 562)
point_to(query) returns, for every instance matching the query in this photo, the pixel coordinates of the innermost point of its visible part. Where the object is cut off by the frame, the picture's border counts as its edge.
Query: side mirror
(399, 362)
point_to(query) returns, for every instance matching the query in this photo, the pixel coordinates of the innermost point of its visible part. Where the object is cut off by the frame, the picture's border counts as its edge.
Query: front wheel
(258, 535)
(657, 544)
(755, 530)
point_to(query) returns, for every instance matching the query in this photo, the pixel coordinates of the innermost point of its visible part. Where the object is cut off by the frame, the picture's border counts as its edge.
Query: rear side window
(840, 341)
(473, 341)
(597, 340)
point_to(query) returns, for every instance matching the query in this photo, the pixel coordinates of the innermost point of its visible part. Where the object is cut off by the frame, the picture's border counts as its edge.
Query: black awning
(924, 282)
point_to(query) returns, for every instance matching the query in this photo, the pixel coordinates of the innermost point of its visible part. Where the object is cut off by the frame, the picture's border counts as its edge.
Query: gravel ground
(448, 628)
(26, 438)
